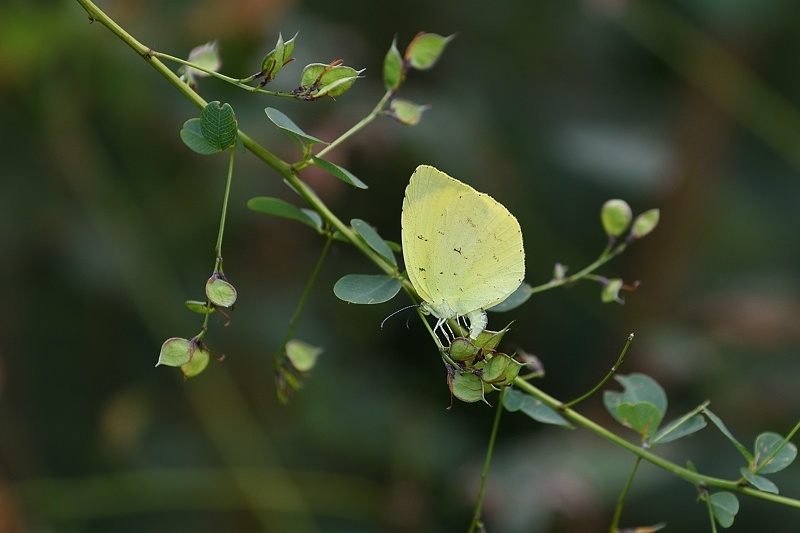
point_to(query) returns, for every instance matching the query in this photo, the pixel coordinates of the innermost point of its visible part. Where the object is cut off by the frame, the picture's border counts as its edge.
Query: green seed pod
(616, 217)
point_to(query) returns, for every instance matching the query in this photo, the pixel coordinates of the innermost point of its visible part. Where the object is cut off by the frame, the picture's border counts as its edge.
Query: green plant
(468, 363)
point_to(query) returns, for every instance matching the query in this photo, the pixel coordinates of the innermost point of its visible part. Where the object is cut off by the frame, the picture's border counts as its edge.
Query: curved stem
(672, 468)
(606, 378)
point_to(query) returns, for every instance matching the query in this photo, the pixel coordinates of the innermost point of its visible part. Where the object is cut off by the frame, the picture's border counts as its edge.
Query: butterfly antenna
(396, 312)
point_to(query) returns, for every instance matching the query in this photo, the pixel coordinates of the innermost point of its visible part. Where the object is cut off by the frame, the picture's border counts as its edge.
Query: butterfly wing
(462, 249)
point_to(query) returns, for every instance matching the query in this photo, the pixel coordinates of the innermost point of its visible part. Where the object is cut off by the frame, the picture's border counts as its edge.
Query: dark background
(109, 224)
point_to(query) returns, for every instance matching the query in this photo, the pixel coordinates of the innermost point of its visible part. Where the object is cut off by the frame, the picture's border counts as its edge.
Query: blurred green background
(109, 224)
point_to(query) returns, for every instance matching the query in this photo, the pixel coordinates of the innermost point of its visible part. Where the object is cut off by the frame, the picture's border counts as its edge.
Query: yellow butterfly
(462, 248)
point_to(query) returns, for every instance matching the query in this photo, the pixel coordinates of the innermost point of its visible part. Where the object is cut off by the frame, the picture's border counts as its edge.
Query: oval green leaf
(193, 138)
(759, 482)
(288, 125)
(218, 125)
(366, 289)
(724, 507)
(281, 208)
(514, 300)
(515, 400)
(679, 428)
(341, 173)
(642, 417)
(766, 444)
(717, 421)
(374, 240)
(638, 388)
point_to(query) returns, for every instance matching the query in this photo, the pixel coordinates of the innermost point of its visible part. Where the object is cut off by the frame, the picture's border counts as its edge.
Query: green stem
(672, 468)
(359, 126)
(621, 500)
(218, 247)
(233, 81)
(604, 258)
(607, 377)
(304, 297)
(282, 167)
(476, 517)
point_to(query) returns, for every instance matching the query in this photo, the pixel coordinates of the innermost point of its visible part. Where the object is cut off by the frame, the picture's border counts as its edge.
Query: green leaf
(393, 68)
(193, 138)
(287, 125)
(218, 125)
(638, 388)
(514, 300)
(302, 355)
(425, 49)
(467, 387)
(220, 292)
(515, 400)
(366, 289)
(766, 444)
(175, 351)
(724, 430)
(642, 417)
(281, 208)
(679, 428)
(199, 362)
(406, 112)
(759, 482)
(374, 240)
(341, 173)
(724, 507)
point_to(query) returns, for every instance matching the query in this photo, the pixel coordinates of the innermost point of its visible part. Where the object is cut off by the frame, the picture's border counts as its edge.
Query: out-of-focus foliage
(109, 222)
